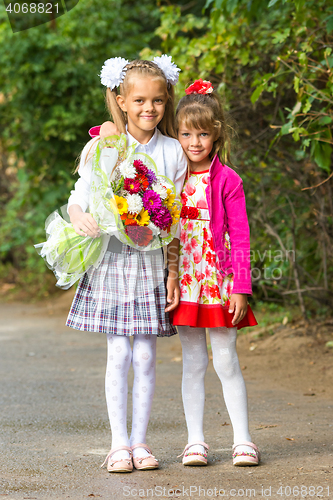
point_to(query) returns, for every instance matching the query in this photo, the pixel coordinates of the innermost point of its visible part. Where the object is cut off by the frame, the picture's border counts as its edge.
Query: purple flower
(162, 219)
(151, 201)
(151, 177)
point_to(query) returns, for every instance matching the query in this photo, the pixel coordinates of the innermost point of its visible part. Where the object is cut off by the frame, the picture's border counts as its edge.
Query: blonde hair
(146, 69)
(204, 111)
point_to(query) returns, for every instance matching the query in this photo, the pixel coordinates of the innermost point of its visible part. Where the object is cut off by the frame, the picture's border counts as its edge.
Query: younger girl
(125, 296)
(214, 270)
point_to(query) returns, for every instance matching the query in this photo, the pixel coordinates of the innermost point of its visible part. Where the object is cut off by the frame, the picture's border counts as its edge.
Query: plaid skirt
(125, 295)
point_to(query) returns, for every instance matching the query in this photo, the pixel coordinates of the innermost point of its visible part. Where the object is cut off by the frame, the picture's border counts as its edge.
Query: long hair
(204, 111)
(146, 69)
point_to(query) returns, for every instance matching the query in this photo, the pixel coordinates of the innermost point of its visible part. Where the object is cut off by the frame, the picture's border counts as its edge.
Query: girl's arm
(173, 295)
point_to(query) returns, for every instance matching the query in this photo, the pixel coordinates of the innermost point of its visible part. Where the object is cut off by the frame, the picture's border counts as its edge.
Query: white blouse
(166, 152)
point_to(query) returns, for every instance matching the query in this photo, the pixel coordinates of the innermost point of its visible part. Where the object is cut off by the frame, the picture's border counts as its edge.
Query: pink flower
(190, 189)
(219, 278)
(199, 276)
(183, 236)
(190, 226)
(229, 289)
(202, 203)
(186, 264)
(208, 272)
(205, 290)
(183, 221)
(205, 179)
(197, 256)
(182, 291)
(187, 248)
(194, 243)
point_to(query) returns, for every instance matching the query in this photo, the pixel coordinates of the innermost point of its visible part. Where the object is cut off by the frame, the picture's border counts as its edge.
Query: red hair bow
(200, 87)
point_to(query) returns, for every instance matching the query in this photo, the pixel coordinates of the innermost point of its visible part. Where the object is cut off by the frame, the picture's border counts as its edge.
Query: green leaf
(325, 120)
(321, 152)
(286, 128)
(257, 93)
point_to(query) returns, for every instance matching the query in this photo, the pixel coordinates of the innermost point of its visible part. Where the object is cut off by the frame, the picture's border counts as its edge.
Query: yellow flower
(175, 214)
(122, 205)
(143, 217)
(170, 199)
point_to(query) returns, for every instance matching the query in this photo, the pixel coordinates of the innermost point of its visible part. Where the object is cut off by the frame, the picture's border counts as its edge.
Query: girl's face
(197, 144)
(145, 106)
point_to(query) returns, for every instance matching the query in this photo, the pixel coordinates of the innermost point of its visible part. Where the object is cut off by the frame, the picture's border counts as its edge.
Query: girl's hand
(107, 129)
(173, 295)
(238, 305)
(84, 224)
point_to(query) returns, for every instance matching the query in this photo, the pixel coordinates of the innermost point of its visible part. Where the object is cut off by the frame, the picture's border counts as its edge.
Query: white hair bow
(114, 70)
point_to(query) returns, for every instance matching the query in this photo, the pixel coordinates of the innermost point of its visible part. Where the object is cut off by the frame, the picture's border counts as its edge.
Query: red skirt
(208, 316)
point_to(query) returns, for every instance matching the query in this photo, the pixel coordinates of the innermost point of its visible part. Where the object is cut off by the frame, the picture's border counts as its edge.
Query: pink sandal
(144, 463)
(122, 465)
(244, 458)
(195, 458)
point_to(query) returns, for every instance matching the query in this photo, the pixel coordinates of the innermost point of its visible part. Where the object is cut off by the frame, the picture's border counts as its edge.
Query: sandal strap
(246, 443)
(141, 445)
(201, 443)
(119, 448)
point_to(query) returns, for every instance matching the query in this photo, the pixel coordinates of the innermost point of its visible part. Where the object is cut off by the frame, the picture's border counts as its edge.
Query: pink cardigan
(227, 209)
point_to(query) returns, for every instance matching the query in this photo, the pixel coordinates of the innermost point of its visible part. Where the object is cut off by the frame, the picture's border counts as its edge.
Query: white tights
(226, 364)
(119, 358)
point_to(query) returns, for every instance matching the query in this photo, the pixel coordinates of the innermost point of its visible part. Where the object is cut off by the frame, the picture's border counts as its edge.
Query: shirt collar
(143, 148)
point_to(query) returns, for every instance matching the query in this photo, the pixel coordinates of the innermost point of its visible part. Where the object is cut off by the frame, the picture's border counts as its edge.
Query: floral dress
(205, 292)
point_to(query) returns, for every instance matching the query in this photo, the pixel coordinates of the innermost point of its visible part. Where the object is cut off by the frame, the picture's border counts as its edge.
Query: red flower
(214, 291)
(139, 234)
(143, 181)
(200, 87)
(187, 279)
(210, 258)
(184, 211)
(132, 185)
(192, 213)
(184, 198)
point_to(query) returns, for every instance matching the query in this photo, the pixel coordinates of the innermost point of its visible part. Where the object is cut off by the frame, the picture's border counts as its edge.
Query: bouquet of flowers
(128, 199)
(145, 202)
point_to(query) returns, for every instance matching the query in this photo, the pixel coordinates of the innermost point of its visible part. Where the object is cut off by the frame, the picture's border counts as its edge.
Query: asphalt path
(55, 433)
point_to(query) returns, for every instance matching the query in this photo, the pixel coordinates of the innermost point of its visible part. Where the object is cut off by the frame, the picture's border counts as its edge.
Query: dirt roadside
(54, 430)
